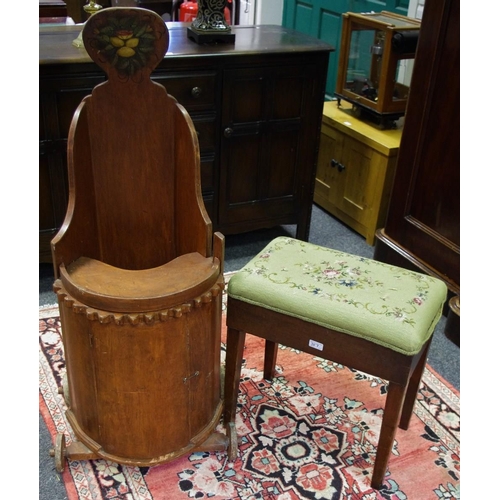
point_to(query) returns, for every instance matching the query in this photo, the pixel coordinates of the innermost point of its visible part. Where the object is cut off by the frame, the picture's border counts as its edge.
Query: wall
(416, 9)
(260, 11)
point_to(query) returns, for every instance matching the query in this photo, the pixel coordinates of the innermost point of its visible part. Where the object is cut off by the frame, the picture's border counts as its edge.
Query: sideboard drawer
(207, 174)
(205, 129)
(194, 90)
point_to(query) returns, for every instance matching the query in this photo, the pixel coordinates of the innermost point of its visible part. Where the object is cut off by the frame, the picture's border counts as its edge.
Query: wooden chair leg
(234, 357)
(270, 355)
(411, 391)
(392, 414)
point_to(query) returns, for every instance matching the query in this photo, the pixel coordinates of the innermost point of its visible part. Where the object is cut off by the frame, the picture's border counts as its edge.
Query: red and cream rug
(310, 434)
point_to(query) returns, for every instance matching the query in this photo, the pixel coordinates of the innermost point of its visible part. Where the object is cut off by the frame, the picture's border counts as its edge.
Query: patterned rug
(310, 434)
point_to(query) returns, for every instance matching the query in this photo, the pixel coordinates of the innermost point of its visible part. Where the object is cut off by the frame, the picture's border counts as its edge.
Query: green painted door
(323, 19)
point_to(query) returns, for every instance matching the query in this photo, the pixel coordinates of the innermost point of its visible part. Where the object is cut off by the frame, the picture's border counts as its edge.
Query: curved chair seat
(109, 288)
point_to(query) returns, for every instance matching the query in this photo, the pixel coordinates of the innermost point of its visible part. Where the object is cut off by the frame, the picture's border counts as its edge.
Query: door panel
(280, 181)
(330, 154)
(242, 177)
(357, 196)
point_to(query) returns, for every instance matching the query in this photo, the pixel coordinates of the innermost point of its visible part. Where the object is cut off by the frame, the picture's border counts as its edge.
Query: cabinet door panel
(247, 89)
(356, 180)
(287, 97)
(241, 175)
(259, 170)
(327, 181)
(281, 181)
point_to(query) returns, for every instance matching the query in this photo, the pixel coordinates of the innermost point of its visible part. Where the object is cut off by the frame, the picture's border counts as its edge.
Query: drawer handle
(196, 92)
(228, 132)
(334, 163)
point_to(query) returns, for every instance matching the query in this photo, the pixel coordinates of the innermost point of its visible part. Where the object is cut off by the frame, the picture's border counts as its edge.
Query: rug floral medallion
(310, 433)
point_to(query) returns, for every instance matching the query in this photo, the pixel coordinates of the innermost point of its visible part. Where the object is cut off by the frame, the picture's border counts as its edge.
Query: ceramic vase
(210, 16)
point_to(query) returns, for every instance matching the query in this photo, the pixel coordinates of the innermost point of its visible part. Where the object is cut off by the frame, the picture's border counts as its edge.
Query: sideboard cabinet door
(266, 157)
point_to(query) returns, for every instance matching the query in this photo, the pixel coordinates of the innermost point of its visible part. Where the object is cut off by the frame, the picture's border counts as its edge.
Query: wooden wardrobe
(422, 229)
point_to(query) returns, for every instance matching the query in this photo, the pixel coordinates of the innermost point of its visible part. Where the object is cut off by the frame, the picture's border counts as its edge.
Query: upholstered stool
(361, 313)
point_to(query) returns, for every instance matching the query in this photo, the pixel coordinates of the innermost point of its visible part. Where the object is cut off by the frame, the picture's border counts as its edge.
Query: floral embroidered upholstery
(388, 305)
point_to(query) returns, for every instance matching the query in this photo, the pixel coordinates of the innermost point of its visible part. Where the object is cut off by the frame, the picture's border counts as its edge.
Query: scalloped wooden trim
(147, 317)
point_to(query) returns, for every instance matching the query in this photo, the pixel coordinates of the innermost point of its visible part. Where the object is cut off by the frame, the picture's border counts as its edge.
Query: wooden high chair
(139, 272)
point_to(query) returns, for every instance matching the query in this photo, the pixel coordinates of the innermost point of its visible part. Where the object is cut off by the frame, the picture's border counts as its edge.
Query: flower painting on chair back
(126, 42)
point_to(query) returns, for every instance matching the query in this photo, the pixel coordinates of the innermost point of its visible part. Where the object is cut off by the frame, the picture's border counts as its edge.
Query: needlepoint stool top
(384, 304)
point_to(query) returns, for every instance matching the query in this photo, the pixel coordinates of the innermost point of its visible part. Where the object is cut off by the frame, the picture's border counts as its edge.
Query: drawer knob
(196, 92)
(228, 132)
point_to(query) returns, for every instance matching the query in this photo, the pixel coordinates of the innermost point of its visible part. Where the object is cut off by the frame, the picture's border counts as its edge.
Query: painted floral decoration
(126, 43)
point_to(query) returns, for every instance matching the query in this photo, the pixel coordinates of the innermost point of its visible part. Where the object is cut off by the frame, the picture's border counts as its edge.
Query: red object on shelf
(189, 10)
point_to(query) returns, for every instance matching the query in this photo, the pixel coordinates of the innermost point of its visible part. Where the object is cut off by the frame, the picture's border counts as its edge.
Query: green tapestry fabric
(385, 304)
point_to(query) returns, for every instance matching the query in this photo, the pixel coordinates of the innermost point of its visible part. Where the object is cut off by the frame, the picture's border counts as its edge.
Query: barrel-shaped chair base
(143, 388)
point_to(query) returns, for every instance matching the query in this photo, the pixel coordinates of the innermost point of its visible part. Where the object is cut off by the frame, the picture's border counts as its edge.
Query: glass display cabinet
(376, 56)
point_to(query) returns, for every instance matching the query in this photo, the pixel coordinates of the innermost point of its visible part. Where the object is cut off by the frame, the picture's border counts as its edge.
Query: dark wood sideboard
(256, 105)
(422, 229)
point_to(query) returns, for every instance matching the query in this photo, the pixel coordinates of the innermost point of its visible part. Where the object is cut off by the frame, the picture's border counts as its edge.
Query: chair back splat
(126, 143)
(139, 271)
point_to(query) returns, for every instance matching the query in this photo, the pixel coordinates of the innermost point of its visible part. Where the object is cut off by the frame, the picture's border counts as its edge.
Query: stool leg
(413, 386)
(392, 414)
(234, 358)
(271, 353)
